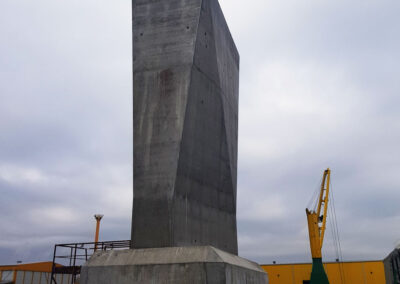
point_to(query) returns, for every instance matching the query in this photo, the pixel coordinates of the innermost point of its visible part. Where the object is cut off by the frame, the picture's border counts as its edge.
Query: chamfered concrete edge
(169, 255)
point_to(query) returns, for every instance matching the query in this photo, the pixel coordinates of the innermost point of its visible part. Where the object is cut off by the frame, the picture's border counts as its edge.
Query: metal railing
(68, 258)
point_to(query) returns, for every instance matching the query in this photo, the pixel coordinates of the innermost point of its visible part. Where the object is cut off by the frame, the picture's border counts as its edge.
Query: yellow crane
(316, 219)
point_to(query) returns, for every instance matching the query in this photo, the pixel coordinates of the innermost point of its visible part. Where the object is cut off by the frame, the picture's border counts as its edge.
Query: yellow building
(367, 272)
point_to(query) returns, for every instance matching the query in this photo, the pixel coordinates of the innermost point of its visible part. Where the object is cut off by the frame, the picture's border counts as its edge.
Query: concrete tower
(185, 97)
(185, 115)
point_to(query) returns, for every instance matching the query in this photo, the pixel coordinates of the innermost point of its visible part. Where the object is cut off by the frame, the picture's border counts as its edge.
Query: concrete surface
(392, 267)
(185, 100)
(171, 265)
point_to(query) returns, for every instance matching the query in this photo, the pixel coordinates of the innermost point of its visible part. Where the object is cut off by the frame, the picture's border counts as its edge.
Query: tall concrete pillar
(185, 97)
(185, 115)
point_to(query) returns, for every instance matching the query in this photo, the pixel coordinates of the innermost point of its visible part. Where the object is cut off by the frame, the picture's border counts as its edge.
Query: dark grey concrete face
(392, 267)
(185, 96)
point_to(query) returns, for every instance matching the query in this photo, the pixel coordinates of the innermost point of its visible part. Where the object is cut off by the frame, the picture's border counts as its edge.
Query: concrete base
(171, 265)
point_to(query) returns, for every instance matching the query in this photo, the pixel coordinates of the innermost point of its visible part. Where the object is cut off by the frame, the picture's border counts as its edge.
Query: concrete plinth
(171, 265)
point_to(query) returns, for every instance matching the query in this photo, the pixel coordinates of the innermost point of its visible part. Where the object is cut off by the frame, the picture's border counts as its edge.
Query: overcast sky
(319, 88)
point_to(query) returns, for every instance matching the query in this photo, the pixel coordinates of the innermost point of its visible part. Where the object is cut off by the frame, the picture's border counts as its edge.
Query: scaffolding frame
(79, 253)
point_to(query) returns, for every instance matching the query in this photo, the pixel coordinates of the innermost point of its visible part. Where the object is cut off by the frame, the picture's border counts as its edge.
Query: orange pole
(96, 236)
(15, 276)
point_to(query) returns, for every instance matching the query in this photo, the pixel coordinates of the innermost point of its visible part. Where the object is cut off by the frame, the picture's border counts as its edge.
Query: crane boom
(316, 227)
(323, 204)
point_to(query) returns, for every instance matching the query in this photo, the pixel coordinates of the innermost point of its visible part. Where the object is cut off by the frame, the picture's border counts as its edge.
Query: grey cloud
(319, 88)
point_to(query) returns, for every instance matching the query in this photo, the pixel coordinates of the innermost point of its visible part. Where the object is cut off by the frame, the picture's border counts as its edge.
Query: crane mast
(316, 219)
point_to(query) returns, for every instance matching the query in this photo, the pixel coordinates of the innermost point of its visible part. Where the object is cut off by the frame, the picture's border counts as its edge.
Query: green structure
(318, 275)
